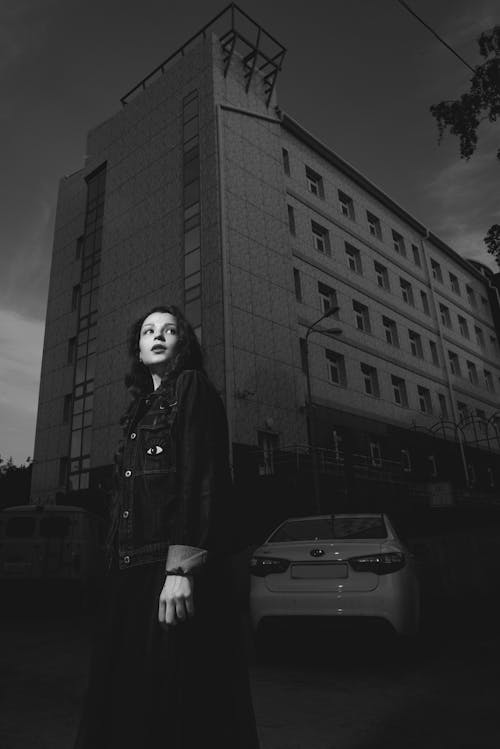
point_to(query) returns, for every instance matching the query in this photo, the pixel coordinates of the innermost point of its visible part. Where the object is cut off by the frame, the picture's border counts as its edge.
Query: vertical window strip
(191, 210)
(85, 300)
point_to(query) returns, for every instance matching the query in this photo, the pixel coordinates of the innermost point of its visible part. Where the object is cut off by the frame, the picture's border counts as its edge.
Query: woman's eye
(156, 450)
(172, 331)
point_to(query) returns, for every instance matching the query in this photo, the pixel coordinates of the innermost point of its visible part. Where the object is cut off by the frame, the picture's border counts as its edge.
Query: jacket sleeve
(202, 470)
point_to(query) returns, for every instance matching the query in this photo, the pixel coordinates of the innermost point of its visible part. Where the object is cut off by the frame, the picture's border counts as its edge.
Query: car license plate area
(323, 571)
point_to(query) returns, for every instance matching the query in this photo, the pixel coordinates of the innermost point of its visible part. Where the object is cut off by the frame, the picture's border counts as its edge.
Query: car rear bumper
(400, 614)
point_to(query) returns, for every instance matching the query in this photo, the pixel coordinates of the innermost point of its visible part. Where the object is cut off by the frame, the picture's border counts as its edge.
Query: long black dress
(183, 686)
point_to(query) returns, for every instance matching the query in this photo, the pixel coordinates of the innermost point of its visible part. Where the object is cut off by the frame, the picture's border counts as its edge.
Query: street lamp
(310, 420)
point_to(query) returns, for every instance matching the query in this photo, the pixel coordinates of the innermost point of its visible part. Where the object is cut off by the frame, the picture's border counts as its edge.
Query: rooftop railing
(239, 34)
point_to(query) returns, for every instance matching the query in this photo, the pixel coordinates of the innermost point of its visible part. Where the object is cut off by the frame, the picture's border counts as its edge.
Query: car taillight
(262, 566)
(380, 564)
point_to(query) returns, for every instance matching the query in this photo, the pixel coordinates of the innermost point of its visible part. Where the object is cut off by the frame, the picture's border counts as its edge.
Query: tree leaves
(492, 241)
(463, 116)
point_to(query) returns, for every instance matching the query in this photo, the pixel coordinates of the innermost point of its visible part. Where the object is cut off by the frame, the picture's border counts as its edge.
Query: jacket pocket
(154, 448)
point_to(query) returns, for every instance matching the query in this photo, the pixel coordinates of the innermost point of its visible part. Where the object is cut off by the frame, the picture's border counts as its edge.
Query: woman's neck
(157, 380)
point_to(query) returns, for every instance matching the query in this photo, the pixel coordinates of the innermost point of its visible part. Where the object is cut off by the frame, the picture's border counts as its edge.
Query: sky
(359, 75)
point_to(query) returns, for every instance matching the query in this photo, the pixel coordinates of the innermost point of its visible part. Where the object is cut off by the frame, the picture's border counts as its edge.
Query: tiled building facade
(202, 193)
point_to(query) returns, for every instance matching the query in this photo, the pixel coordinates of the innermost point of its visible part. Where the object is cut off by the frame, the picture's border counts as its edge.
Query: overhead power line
(439, 38)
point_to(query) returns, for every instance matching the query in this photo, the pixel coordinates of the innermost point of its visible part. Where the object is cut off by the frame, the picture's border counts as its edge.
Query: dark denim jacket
(172, 484)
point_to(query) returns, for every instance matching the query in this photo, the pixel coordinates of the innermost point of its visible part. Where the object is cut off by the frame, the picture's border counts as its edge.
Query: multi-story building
(201, 192)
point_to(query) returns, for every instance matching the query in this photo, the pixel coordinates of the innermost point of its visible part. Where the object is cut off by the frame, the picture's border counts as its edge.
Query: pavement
(319, 690)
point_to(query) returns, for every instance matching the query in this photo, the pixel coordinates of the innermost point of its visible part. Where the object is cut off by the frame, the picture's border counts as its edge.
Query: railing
(378, 469)
(330, 461)
(228, 25)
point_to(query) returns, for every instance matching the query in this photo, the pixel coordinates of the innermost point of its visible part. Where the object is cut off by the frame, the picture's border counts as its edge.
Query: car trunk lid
(321, 566)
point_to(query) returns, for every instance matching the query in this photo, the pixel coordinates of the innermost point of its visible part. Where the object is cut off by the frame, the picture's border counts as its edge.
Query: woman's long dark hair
(188, 353)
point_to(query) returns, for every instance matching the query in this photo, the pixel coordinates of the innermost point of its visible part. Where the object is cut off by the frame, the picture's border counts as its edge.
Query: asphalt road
(313, 689)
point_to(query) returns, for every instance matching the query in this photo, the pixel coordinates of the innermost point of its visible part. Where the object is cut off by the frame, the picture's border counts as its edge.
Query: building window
(336, 368)
(425, 302)
(491, 477)
(268, 444)
(433, 471)
(192, 239)
(382, 276)
(406, 461)
(472, 474)
(374, 226)
(472, 373)
(488, 381)
(443, 407)
(471, 296)
(71, 350)
(436, 271)
(291, 219)
(481, 415)
(454, 363)
(361, 316)
(455, 286)
(399, 391)
(328, 298)
(346, 205)
(424, 400)
(84, 345)
(63, 471)
(399, 243)
(79, 247)
(303, 354)
(445, 315)
(68, 400)
(463, 327)
(416, 344)
(463, 411)
(484, 302)
(494, 343)
(297, 284)
(321, 238)
(353, 258)
(376, 454)
(391, 331)
(416, 255)
(338, 441)
(75, 297)
(314, 183)
(406, 292)
(479, 336)
(434, 353)
(286, 161)
(370, 380)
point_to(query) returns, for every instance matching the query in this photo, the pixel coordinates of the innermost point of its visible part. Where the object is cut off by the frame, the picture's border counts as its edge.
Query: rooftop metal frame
(259, 51)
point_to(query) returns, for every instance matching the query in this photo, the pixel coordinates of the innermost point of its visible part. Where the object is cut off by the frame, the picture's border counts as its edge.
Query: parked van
(51, 543)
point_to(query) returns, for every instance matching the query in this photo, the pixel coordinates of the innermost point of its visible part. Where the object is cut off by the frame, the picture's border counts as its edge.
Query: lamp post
(311, 432)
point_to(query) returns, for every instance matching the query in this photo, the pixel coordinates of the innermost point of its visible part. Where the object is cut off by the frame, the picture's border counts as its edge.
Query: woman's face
(157, 340)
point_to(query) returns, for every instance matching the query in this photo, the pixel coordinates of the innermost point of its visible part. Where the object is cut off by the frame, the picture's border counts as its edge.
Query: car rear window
(309, 529)
(20, 527)
(54, 527)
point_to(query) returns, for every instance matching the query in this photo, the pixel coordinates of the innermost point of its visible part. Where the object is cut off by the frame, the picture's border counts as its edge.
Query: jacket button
(128, 474)
(126, 559)
(133, 436)
(125, 514)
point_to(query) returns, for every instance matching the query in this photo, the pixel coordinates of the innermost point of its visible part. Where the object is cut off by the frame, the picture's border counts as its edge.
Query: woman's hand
(176, 600)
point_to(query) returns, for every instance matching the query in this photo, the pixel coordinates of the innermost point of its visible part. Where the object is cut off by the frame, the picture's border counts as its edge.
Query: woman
(168, 666)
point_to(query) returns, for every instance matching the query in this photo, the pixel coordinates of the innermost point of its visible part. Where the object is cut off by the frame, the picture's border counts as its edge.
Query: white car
(341, 565)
